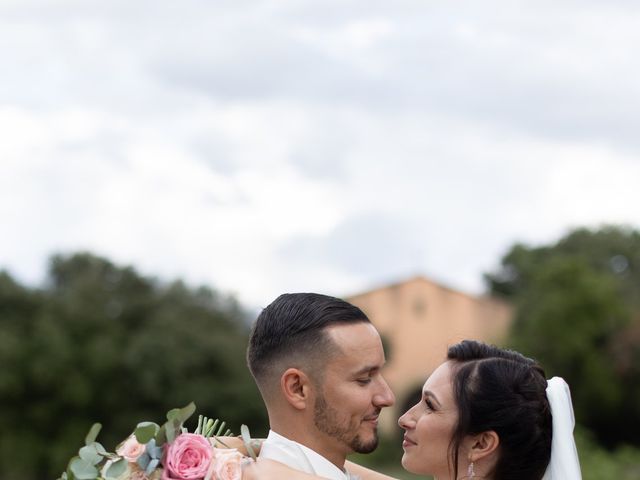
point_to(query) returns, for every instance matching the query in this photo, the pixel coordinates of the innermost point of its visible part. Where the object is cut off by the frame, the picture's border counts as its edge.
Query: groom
(317, 362)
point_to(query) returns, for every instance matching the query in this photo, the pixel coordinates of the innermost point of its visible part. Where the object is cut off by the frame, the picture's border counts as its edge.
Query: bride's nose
(406, 421)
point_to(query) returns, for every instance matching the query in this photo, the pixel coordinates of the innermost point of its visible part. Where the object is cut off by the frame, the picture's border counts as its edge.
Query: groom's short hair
(290, 332)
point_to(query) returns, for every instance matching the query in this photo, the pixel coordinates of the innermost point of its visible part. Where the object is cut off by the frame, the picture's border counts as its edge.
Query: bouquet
(167, 452)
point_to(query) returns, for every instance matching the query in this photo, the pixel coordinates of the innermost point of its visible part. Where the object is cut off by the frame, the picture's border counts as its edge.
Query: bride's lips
(406, 442)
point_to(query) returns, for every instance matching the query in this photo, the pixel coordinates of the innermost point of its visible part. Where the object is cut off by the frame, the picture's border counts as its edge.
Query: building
(418, 319)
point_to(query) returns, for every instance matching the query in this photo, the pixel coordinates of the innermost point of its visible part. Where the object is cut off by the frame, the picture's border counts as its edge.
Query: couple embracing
(485, 412)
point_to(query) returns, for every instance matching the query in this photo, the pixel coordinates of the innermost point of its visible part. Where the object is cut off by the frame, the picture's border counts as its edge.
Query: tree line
(99, 342)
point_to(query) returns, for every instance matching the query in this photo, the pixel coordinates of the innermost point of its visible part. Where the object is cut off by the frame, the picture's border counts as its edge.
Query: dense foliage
(578, 312)
(103, 343)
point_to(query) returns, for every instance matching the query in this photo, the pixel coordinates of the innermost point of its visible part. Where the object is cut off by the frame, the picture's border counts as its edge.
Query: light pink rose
(227, 464)
(130, 449)
(187, 458)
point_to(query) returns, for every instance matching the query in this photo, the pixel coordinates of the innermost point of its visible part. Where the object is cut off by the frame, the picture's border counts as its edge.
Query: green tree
(577, 303)
(103, 343)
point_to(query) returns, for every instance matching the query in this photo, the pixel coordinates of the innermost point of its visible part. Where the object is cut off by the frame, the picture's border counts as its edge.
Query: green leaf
(246, 438)
(210, 427)
(181, 414)
(221, 429)
(93, 433)
(83, 470)
(145, 431)
(90, 454)
(175, 419)
(172, 430)
(116, 469)
(100, 449)
(69, 473)
(161, 437)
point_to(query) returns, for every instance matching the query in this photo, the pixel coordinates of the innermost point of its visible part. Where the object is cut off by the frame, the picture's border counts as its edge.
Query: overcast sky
(261, 147)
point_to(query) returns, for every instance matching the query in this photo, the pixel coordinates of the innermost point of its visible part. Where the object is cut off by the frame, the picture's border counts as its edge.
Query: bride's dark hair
(504, 391)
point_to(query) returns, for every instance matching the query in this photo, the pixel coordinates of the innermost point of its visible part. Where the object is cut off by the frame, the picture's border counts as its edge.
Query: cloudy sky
(287, 145)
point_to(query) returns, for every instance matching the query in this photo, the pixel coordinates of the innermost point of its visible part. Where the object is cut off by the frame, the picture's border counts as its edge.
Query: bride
(485, 413)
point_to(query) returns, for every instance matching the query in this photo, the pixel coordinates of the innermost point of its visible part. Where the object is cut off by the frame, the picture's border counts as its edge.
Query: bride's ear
(483, 444)
(296, 388)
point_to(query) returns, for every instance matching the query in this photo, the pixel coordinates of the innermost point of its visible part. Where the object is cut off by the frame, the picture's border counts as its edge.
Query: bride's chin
(406, 464)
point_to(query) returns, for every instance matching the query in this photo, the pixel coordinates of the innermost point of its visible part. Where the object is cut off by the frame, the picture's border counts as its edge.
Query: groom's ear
(296, 388)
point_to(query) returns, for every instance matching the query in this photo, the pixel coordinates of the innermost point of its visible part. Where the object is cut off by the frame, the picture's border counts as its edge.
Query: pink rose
(227, 464)
(187, 458)
(130, 449)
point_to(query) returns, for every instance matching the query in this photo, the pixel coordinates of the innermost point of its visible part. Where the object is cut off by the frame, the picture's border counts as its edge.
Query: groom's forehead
(358, 348)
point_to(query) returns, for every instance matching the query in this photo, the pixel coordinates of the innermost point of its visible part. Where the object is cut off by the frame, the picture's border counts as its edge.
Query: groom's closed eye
(366, 374)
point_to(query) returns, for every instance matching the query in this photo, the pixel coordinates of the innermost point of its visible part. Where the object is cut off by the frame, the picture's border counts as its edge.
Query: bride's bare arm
(366, 473)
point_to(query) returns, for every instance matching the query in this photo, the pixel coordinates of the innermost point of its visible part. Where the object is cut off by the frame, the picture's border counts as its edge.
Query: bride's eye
(429, 404)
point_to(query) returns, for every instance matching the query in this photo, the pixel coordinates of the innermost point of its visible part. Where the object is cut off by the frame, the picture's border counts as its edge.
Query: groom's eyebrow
(368, 369)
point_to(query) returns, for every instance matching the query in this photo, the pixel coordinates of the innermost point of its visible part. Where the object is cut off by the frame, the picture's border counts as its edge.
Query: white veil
(564, 464)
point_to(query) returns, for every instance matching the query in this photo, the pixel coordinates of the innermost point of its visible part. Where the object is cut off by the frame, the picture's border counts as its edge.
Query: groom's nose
(384, 397)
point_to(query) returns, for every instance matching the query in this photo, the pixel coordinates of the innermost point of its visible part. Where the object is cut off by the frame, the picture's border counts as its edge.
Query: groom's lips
(372, 418)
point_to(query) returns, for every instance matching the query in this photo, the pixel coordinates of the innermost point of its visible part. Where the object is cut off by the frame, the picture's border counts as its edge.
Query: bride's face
(429, 426)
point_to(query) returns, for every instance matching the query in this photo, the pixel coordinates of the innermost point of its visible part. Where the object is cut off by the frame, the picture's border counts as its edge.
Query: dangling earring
(470, 472)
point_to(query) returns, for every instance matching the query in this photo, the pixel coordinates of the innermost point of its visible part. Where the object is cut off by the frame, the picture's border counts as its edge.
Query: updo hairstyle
(504, 391)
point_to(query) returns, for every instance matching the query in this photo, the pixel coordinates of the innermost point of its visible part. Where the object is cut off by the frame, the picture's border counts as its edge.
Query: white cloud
(264, 146)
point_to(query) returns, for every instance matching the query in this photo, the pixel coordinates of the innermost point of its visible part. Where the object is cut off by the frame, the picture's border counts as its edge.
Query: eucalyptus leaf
(69, 473)
(83, 470)
(146, 431)
(175, 419)
(161, 437)
(90, 454)
(172, 430)
(116, 469)
(173, 414)
(93, 433)
(182, 414)
(246, 438)
(100, 449)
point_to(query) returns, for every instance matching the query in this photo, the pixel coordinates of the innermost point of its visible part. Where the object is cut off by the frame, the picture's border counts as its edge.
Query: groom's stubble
(327, 420)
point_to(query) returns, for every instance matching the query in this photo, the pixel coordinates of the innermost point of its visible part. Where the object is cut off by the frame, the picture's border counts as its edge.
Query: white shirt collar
(320, 466)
